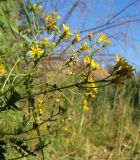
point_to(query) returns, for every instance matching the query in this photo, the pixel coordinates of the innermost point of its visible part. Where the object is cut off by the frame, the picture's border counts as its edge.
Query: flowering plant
(34, 100)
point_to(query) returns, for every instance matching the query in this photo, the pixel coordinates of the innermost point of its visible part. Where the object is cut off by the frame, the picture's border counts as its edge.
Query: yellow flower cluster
(35, 51)
(102, 38)
(85, 105)
(39, 103)
(88, 61)
(2, 69)
(91, 88)
(122, 70)
(51, 24)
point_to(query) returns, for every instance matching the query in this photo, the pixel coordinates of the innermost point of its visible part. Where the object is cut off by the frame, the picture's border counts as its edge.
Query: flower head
(35, 51)
(84, 47)
(121, 62)
(77, 37)
(106, 42)
(101, 38)
(88, 61)
(48, 17)
(39, 111)
(39, 102)
(51, 24)
(66, 31)
(123, 70)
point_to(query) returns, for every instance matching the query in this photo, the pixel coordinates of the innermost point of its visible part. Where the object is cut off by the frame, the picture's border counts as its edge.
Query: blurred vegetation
(110, 130)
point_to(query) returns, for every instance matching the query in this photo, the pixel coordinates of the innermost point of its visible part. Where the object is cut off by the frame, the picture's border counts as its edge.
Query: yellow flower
(91, 94)
(85, 47)
(90, 79)
(40, 102)
(91, 84)
(66, 31)
(106, 42)
(85, 105)
(123, 70)
(123, 65)
(120, 61)
(51, 24)
(48, 17)
(91, 62)
(101, 38)
(35, 51)
(90, 87)
(2, 69)
(86, 60)
(70, 73)
(77, 37)
(39, 111)
(66, 28)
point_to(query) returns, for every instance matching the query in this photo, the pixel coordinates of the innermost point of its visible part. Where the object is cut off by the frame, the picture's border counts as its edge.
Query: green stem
(10, 74)
(39, 135)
